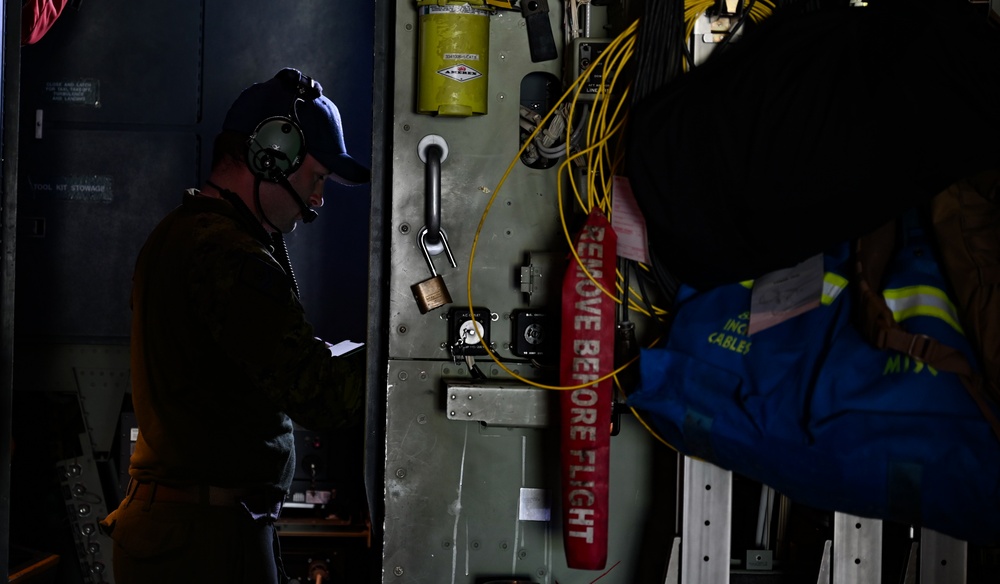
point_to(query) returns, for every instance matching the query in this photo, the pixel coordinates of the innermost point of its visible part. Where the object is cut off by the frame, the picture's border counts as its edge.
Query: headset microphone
(308, 213)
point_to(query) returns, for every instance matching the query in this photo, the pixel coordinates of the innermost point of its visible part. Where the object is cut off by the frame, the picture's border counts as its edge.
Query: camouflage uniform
(223, 360)
(222, 356)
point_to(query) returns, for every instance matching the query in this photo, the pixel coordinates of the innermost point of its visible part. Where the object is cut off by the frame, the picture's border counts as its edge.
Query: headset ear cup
(275, 149)
(260, 160)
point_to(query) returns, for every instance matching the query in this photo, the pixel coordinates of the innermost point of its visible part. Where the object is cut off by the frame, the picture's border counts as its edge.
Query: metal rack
(701, 554)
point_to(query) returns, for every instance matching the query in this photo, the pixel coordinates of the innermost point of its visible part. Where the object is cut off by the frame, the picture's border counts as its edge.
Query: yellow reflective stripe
(833, 285)
(913, 301)
(748, 284)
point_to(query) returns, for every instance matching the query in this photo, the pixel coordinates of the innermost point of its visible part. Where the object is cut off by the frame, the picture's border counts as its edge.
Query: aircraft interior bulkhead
(637, 291)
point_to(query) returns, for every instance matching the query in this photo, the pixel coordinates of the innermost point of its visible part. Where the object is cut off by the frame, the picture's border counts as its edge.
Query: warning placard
(93, 188)
(81, 92)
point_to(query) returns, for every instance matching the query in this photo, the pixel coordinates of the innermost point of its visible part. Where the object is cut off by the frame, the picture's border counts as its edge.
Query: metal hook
(433, 150)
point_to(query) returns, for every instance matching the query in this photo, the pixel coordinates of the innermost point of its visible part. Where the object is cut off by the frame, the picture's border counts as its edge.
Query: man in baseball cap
(294, 96)
(223, 358)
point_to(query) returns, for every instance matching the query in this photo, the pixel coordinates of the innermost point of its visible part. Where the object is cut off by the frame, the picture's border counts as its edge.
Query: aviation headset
(277, 146)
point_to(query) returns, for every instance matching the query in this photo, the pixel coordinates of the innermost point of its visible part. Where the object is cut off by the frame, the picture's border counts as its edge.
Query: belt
(200, 494)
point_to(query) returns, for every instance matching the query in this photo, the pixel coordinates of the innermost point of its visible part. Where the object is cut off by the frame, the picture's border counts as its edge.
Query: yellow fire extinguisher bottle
(453, 57)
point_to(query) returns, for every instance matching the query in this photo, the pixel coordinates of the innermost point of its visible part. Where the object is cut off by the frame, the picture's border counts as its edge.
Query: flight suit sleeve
(261, 326)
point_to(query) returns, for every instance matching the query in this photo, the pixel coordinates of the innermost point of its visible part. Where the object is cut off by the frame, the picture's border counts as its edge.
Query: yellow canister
(453, 57)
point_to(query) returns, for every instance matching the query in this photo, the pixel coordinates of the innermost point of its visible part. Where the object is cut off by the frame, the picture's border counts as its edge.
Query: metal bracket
(706, 522)
(518, 406)
(857, 549)
(943, 559)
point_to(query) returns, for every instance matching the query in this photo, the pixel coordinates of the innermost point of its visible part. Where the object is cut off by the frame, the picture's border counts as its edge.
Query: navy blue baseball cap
(316, 115)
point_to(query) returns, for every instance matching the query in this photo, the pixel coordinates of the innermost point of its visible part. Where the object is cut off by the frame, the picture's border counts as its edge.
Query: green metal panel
(467, 487)
(464, 500)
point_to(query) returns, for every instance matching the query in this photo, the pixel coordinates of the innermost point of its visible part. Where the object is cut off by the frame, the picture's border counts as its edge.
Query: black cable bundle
(659, 58)
(660, 46)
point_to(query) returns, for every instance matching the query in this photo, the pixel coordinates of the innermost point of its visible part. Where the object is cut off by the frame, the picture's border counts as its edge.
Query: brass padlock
(432, 293)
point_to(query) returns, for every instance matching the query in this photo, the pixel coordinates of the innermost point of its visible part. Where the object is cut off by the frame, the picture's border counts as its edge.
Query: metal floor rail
(701, 553)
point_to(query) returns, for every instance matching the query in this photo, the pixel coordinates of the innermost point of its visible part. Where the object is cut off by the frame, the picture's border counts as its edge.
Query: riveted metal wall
(472, 496)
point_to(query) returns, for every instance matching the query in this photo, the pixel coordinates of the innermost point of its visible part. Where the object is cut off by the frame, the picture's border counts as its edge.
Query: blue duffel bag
(812, 409)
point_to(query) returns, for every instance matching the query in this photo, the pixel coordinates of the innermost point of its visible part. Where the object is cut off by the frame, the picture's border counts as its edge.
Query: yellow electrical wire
(655, 434)
(692, 10)
(611, 55)
(600, 160)
(575, 89)
(598, 131)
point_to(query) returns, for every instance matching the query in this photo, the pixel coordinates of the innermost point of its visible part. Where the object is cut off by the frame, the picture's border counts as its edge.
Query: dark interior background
(131, 95)
(119, 106)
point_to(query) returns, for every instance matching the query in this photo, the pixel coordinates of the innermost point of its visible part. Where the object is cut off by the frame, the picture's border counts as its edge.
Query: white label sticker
(784, 294)
(460, 72)
(628, 221)
(533, 505)
(461, 57)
